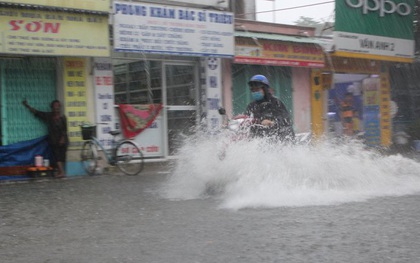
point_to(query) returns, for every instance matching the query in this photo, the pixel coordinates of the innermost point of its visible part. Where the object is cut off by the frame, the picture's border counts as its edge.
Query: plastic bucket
(38, 161)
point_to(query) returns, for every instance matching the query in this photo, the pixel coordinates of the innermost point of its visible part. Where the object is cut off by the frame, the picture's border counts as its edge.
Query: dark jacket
(273, 109)
(57, 128)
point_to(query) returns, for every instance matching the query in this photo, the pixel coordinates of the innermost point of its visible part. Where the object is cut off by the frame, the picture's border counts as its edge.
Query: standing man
(269, 112)
(57, 133)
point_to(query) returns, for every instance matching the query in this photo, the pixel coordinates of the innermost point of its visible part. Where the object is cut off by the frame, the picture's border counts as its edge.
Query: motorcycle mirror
(222, 111)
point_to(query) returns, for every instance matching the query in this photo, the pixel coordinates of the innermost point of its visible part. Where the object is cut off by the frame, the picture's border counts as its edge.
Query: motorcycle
(239, 127)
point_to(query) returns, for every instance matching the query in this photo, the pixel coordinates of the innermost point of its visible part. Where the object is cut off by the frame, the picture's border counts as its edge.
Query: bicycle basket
(88, 132)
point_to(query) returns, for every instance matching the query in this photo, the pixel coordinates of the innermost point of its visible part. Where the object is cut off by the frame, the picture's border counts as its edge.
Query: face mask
(257, 95)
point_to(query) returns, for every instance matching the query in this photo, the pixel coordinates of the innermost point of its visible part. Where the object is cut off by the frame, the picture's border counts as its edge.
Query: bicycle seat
(113, 133)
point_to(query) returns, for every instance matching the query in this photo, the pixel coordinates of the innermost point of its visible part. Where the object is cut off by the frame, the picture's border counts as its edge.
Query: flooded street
(115, 218)
(272, 131)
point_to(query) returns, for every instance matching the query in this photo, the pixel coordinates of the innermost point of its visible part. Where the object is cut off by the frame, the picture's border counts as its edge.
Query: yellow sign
(373, 57)
(278, 53)
(371, 111)
(91, 5)
(75, 98)
(385, 110)
(317, 98)
(48, 33)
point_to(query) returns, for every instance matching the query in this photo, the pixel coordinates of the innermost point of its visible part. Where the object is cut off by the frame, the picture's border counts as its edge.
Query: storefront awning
(278, 37)
(278, 50)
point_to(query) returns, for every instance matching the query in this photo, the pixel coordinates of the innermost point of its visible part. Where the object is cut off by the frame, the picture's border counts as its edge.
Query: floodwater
(323, 203)
(258, 174)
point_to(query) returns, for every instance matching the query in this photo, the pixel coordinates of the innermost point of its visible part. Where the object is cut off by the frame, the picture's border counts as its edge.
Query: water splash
(257, 174)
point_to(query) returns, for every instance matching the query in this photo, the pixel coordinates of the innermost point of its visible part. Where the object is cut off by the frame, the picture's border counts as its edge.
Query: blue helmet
(259, 79)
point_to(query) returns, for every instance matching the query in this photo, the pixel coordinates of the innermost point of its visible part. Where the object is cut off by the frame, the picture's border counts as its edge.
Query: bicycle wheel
(89, 157)
(129, 158)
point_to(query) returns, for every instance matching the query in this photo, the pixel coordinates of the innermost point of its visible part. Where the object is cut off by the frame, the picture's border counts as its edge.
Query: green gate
(33, 79)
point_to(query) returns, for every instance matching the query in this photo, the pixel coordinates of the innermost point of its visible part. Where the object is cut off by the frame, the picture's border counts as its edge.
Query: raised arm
(25, 103)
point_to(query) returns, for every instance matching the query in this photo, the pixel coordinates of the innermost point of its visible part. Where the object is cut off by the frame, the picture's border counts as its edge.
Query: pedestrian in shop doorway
(57, 133)
(347, 113)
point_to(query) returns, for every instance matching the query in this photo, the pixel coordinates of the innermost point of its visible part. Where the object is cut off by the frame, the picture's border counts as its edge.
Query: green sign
(375, 27)
(392, 18)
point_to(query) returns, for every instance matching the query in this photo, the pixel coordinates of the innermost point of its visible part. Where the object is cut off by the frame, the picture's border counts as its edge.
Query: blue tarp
(23, 153)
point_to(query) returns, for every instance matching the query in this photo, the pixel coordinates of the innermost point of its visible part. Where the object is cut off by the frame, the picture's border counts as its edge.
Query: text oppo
(383, 6)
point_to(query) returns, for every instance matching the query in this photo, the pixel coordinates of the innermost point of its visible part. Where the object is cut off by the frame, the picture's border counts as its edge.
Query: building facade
(46, 54)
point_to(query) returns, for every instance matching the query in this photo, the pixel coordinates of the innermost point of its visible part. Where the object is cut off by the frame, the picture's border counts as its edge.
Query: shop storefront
(367, 42)
(44, 56)
(170, 55)
(286, 61)
(172, 83)
(367, 81)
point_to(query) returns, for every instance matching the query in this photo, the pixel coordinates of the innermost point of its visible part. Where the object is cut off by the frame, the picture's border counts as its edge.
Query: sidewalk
(149, 167)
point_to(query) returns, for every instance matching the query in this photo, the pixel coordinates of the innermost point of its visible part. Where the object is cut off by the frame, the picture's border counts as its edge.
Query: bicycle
(124, 153)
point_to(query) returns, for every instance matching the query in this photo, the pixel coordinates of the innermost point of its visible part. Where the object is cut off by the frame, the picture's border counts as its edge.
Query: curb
(148, 165)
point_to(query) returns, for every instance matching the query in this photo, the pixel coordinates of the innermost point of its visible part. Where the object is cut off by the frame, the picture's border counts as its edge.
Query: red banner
(136, 118)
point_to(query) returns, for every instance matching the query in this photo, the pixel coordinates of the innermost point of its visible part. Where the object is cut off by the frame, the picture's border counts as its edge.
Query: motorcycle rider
(269, 112)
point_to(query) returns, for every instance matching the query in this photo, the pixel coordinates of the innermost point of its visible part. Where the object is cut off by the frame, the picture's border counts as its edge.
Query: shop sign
(371, 111)
(213, 74)
(163, 29)
(104, 100)
(376, 29)
(278, 53)
(90, 5)
(385, 109)
(383, 7)
(75, 98)
(151, 139)
(47, 33)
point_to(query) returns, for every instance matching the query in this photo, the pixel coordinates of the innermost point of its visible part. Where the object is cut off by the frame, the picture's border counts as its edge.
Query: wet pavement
(118, 218)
